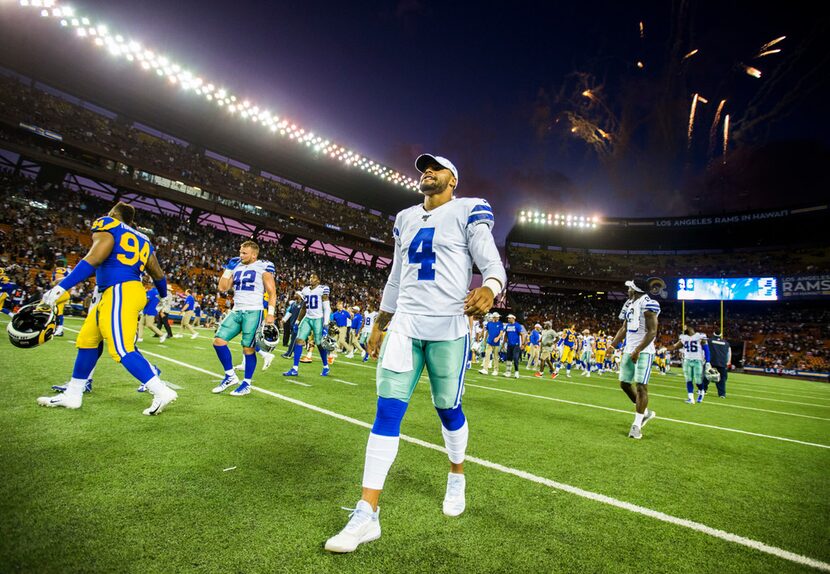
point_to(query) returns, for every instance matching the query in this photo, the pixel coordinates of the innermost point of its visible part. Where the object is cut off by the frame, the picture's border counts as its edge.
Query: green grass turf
(105, 489)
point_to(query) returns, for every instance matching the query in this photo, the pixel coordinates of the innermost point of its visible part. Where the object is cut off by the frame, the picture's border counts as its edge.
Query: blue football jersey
(129, 255)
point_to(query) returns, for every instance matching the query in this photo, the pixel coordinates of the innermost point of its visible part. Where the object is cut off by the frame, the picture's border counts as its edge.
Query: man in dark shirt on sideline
(720, 357)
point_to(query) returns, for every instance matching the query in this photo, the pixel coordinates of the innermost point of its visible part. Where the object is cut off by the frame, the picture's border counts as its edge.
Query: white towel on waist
(397, 356)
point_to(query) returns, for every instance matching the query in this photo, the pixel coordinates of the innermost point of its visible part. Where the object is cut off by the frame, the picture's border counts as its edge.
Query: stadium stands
(40, 228)
(146, 155)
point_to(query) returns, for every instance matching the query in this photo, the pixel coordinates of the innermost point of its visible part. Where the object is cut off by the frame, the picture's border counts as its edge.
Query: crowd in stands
(41, 227)
(581, 263)
(121, 140)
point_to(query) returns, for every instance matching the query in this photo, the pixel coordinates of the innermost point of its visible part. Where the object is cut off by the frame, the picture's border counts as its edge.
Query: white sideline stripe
(657, 515)
(181, 364)
(629, 412)
(659, 418)
(697, 526)
(711, 402)
(344, 382)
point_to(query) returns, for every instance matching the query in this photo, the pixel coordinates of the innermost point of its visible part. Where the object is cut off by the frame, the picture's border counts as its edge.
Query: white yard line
(711, 401)
(344, 382)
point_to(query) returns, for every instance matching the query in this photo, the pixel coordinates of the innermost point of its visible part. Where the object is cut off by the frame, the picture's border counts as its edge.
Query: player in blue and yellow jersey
(601, 350)
(118, 257)
(568, 342)
(7, 286)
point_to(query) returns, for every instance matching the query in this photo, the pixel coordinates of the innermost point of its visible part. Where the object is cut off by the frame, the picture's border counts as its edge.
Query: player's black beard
(431, 188)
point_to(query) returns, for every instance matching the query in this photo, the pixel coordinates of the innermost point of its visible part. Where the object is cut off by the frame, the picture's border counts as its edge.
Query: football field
(256, 483)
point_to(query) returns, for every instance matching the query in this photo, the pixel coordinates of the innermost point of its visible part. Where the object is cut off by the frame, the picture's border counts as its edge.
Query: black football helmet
(32, 325)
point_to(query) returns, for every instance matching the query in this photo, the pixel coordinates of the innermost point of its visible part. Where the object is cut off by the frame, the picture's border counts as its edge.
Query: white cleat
(178, 336)
(363, 526)
(161, 399)
(162, 338)
(516, 374)
(649, 415)
(350, 356)
(635, 432)
(507, 374)
(240, 366)
(139, 340)
(495, 373)
(454, 500)
(228, 381)
(483, 371)
(194, 336)
(269, 358)
(65, 400)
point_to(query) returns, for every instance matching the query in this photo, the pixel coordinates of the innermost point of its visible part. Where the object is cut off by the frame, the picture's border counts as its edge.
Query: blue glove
(232, 263)
(325, 332)
(294, 328)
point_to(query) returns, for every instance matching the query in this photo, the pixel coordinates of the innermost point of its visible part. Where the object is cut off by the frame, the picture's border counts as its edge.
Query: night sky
(497, 87)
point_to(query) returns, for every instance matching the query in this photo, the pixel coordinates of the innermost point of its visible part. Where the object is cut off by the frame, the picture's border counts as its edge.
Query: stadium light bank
(150, 62)
(535, 217)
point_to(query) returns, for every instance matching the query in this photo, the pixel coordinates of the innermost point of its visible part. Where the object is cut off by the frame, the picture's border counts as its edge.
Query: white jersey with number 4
(313, 298)
(433, 266)
(248, 289)
(693, 347)
(368, 321)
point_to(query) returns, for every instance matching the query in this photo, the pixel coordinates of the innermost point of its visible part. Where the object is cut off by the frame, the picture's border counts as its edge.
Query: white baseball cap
(356, 308)
(494, 314)
(426, 158)
(511, 315)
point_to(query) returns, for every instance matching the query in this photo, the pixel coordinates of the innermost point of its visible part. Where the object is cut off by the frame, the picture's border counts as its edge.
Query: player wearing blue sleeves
(250, 278)
(314, 319)
(695, 348)
(425, 306)
(118, 257)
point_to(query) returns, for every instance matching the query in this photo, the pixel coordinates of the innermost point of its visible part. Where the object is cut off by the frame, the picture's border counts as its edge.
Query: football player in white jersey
(695, 348)
(368, 321)
(424, 305)
(587, 352)
(639, 329)
(314, 318)
(250, 279)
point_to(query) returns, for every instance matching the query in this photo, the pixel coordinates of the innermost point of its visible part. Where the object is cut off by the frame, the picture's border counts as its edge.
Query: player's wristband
(271, 309)
(493, 285)
(161, 285)
(83, 271)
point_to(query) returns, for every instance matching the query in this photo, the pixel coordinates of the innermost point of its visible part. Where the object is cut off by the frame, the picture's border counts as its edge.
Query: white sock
(691, 395)
(456, 442)
(701, 392)
(262, 353)
(75, 386)
(154, 385)
(638, 419)
(380, 454)
(92, 372)
(229, 372)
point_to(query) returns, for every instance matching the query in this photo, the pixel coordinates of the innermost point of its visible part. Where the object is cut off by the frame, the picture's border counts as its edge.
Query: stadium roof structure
(37, 47)
(801, 227)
